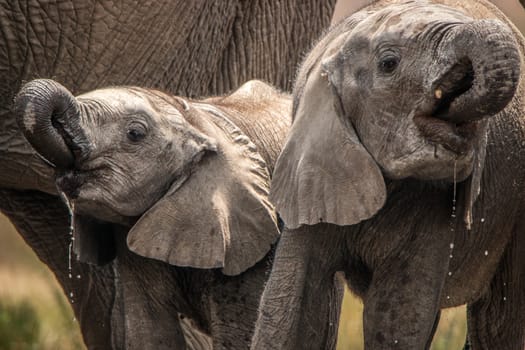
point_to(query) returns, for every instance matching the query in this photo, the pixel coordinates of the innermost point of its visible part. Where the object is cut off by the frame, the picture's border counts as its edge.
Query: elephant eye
(388, 64)
(136, 133)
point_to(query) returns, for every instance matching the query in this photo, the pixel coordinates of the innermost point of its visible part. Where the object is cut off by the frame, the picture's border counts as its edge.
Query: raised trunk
(42, 107)
(485, 75)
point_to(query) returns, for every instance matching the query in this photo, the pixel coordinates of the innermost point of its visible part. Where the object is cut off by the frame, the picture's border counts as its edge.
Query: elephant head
(189, 182)
(403, 92)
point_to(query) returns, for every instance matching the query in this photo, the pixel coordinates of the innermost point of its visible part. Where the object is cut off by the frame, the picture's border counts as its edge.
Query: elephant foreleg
(302, 299)
(433, 331)
(233, 305)
(402, 303)
(143, 316)
(497, 319)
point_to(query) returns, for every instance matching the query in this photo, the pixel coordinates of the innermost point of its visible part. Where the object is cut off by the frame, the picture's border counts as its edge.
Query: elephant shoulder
(257, 102)
(254, 89)
(256, 96)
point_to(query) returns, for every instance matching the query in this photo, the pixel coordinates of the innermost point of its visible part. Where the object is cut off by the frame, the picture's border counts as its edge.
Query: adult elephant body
(408, 133)
(189, 48)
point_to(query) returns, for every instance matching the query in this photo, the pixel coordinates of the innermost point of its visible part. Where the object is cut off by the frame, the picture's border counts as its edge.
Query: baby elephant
(404, 168)
(182, 183)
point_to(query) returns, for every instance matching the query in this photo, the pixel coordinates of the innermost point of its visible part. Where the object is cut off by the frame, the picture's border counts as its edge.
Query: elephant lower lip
(456, 138)
(70, 182)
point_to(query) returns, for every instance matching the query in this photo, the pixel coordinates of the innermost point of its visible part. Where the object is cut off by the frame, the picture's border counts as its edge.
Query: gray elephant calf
(182, 182)
(404, 167)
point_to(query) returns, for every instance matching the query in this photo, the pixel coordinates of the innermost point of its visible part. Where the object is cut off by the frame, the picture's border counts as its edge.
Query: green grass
(34, 313)
(19, 325)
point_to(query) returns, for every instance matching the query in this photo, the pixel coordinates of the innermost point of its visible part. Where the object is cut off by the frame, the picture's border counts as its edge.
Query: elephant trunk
(48, 114)
(485, 73)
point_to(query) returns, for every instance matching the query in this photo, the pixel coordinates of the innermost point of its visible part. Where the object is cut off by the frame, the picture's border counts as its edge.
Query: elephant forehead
(131, 101)
(410, 19)
(117, 97)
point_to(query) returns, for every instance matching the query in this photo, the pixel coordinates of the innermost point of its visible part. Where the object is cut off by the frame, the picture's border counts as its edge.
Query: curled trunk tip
(488, 70)
(37, 107)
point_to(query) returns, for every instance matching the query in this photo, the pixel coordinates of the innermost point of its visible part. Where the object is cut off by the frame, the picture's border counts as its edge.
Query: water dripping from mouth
(71, 211)
(453, 216)
(452, 222)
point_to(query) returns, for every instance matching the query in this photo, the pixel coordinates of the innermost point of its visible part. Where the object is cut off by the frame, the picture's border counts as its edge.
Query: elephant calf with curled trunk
(405, 169)
(182, 183)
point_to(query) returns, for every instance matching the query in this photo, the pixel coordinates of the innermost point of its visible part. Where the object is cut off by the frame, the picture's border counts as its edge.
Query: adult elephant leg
(495, 321)
(403, 300)
(233, 303)
(301, 303)
(43, 222)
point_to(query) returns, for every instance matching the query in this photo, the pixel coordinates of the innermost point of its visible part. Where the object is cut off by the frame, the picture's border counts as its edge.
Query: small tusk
(186, 105)
(438, 93)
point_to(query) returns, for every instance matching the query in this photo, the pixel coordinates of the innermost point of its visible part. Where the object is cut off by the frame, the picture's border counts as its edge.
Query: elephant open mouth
(457, 138)
(440, 124)
(454, 83)
(69, 182)
(85, 172)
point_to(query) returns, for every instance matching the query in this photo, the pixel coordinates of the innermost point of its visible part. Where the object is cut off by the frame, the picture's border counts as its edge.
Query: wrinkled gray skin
(189, 180)
(191, 48)
(391, 106)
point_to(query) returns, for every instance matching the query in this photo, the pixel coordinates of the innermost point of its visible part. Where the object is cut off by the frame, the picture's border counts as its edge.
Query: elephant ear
(220, 217)
(324, 173)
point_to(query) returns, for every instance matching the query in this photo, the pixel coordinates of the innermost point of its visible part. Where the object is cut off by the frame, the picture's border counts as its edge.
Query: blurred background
(35, 314)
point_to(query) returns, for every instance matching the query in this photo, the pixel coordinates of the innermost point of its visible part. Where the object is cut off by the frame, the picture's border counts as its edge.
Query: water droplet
(450, 256)
(450, 273)
(482, 219)
(78, 276)
(448, 296)
(486, 252)
(71, 211)
(453, 214)
(455, 189)
(504, 298)
(395, 342)
(69, 258)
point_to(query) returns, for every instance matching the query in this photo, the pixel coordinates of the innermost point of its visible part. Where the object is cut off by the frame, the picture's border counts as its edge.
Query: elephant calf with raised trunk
(182, 183)
(404, 168)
